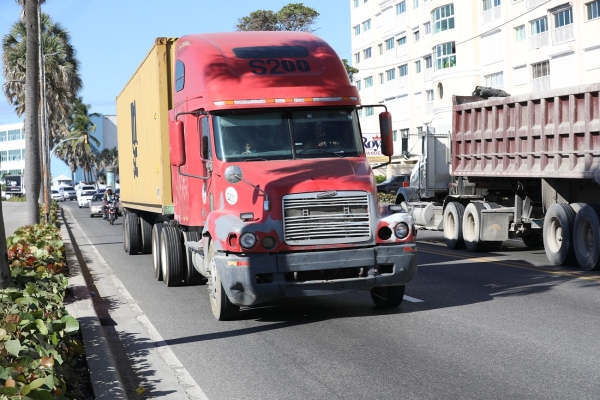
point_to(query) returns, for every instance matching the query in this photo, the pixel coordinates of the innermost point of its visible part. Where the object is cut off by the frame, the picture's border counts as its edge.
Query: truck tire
(156, 257)
(132, 232)
(558, 234)
(387, 296)
(453, 228)
(472, 227)
(586, 237)
(222, 308)
(171, 256)
(124, 231)
(532, 238)
(192, 277)
(146, 233)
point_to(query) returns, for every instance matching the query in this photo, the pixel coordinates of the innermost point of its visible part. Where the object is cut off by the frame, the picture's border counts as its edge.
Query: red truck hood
(300, 176)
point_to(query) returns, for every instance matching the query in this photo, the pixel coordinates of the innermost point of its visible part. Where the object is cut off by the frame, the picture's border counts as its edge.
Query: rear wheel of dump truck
(192, 277)
(472, 227)
(146, 233)
(388, 296)
(586, 237)
(222, 308)
(453, 225)
(132, 233)
(171, 256)
(558, 236)
(156, 257)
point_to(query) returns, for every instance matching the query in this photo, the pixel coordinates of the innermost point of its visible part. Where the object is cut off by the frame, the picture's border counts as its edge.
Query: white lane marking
(412, 299)
(186, 381)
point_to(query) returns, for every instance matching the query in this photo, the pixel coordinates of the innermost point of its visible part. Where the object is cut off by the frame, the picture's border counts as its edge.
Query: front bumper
(259, 278)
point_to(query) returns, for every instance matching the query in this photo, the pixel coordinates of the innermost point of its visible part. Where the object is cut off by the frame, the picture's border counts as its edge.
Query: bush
(386, 198)
(38, 347)
(379, 179)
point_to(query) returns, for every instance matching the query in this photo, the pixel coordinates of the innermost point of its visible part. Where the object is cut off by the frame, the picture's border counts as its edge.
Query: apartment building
(414, 55)
(12, 149)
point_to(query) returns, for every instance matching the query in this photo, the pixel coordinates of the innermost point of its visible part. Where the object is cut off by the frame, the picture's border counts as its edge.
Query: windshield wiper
(255, 159)
(321, 150)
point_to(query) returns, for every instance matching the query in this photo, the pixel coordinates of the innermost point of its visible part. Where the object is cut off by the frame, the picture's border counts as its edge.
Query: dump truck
(520, 166)
(242, 166)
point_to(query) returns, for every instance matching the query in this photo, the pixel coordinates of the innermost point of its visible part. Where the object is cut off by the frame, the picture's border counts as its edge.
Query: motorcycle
(111, 210)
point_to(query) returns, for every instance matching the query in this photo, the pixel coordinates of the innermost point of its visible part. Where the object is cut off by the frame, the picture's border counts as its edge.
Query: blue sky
(111, 37)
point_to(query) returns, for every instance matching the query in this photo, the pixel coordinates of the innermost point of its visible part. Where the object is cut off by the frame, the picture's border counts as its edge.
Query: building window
(3, 155)
(428, 62)
(445, 55)
(358, 85)
(427, 27)
(593, 10)
(356, 58)
(539, 25)
(564, 17)
(404, 138)
(401, 41)
(495, 80)
(3, 136)
(368, 82)
(520, 33)
(369, 111)
(403, 70)
(367, 53)
(418, 67)
(394, 134)
(381, 79)
(390, 74)
(429, 94)
(14, 134)
(540, 69)
(357, 30)
(360, 113)
(487, 4)
(389, 44)
(366, 25)
(380, 48)
(416, 36)
(400, 8)
(14, 155)
(443, 18)
(355, 3)
(415, 3)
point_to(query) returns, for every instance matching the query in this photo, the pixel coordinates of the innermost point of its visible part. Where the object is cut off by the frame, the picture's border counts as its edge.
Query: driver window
(206, 154)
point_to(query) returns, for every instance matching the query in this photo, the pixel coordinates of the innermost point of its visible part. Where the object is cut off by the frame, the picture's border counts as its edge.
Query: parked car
(96, 205)
(67, 193)
(85, 196)
(55, 195)
(391, 185)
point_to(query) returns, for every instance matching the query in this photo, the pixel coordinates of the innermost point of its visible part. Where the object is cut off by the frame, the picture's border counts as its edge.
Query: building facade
(414, 55)
(12, 149)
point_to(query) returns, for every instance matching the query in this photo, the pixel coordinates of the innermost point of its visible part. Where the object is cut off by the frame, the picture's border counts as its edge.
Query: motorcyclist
(107, 198)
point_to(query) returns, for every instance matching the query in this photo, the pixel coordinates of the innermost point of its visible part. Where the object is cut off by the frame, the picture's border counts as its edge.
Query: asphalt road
(501, 325)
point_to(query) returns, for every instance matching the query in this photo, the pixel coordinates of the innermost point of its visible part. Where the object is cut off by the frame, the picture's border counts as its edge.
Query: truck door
(206, 156)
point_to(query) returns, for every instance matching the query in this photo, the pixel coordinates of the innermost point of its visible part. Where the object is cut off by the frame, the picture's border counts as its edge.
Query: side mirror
(176, 143)
(387, 137)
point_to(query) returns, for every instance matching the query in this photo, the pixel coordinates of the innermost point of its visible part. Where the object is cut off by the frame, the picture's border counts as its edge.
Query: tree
(349, 69)
(292, 17)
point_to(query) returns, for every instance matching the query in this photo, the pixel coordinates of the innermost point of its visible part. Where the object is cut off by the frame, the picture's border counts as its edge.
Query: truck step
(196, 247)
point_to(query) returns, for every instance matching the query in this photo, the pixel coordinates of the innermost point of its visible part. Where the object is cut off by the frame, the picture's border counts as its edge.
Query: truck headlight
(247, 240)
(401, 230)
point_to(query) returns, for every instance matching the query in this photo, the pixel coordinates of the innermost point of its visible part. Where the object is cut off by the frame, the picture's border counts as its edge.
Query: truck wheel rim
(469, 228)
(450, 223)
(555, 236)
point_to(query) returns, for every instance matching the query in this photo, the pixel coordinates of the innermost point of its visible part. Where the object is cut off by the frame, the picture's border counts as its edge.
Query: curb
(104, 375)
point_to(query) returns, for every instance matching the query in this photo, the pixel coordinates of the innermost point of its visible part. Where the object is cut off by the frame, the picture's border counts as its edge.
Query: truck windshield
(287, 134)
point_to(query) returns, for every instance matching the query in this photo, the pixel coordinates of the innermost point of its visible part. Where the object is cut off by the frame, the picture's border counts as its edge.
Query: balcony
(534, 3)
(538, 41)
(490, 15)
(539, 84)
(563, 34)
(428, 73)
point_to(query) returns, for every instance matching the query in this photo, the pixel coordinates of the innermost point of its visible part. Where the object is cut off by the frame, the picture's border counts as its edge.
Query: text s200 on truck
(246, 169)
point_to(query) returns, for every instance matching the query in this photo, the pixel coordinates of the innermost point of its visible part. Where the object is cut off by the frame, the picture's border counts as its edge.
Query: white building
(12, 149)
(414, 55)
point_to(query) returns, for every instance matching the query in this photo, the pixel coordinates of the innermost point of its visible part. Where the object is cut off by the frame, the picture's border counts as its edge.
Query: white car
(83, 188)
(55, 195)
(67, 192)
(84, 197)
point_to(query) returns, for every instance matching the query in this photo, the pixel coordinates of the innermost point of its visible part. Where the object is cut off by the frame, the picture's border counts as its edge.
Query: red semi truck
(242, 164)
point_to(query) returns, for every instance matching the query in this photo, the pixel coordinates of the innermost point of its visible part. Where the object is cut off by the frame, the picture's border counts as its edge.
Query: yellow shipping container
(143, 132)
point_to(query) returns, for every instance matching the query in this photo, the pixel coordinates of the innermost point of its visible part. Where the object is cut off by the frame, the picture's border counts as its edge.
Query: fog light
(248, 240)
(269, 242)
(401, 230)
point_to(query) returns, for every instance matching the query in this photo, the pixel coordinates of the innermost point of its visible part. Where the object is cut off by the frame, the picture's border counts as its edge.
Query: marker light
(288, 100)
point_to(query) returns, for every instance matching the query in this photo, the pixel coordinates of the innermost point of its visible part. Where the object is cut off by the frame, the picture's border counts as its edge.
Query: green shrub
(37, 336)
(386, 198)
(379, 179)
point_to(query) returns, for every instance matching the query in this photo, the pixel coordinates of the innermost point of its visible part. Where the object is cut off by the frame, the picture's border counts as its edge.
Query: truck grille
(310, 220)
